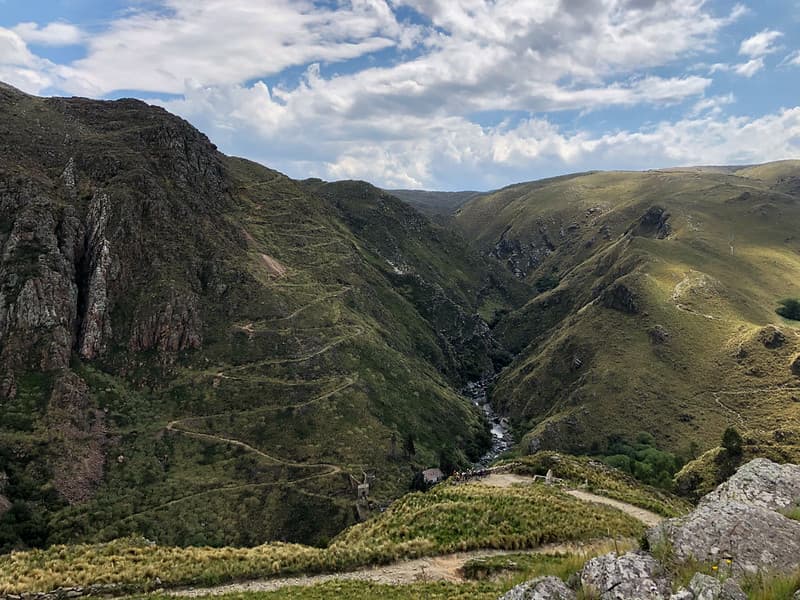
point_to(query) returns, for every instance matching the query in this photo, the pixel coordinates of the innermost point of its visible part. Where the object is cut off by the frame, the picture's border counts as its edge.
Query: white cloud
(442, 150)
(219, 43)
(792, 59)
(712, 105)
(21, 68)
(750, 68)
(518, 153)
(52, 34)
(760, 44)
(411, 120)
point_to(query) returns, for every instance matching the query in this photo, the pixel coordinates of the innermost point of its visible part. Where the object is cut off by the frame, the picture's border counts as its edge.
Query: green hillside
(453, 517)
(197, 349)
(656, 304)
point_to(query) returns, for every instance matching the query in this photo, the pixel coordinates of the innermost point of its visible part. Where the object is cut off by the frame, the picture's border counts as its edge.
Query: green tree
(408, 445)
(732, 442)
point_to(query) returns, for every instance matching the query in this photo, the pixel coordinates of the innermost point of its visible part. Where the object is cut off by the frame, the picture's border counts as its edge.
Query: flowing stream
(502, 439)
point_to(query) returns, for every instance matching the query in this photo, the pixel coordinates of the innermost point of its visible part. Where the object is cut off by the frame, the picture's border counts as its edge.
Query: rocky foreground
(738, 530)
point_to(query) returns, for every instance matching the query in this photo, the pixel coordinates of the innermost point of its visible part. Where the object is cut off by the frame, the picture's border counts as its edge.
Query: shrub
(546, 282)
(642, 459)
(789, 309)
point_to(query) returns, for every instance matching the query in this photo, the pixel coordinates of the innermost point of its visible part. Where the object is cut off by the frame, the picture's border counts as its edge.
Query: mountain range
(203, 351)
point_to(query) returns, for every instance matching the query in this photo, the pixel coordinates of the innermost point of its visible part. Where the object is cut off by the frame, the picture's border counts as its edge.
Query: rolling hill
(655, 304)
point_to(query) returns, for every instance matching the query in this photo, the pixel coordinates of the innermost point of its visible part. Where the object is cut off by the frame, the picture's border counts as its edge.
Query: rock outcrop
(751, 537)
(705, 587)
(174, 327)
(620, 297)
(543, 588)
(760, 482)
(38, 289)
(738, 523)
(771, 337)
(96, 322)
(632, 575)
(794, 366)
(737, 529)
(654, 223)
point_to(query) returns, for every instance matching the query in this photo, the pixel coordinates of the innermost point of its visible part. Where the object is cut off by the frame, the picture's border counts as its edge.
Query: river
(502, 439)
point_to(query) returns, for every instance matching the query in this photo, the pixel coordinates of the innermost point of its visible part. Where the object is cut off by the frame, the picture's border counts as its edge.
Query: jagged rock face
(543, 588)
(655, 222)
(96, 324)
(760, 482)
(738, 523)
(632, 575)
(176, 326)
(38, 289)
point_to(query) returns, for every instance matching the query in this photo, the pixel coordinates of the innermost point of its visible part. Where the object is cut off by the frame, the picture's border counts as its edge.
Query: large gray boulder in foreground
(705, 587)
(543, 588)
(760, 482)
(632, 575)
(739, 522)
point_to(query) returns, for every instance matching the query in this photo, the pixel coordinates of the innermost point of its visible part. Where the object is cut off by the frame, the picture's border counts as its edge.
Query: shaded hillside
(656, 304)
(450, 284)
(435, 204)
(198, 349)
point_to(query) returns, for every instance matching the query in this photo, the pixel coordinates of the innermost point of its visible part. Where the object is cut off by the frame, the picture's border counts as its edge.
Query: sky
(435, 94)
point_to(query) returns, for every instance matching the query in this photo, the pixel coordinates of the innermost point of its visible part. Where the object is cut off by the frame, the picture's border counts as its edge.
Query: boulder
(760, 482)
(542, 588)
(705, 587)
(658, 335)
(795, 366)
(771, 337)
(632, 575)
(754, 538)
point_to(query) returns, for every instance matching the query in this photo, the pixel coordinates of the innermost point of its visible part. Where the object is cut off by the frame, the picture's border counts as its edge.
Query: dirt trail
(645, 516)
(332, 469)
(436, 568)
(650, 519)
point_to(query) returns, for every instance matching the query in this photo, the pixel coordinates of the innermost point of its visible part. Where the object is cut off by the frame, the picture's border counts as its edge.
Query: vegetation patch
(642, 459)
(602, 479)
(447, 519)
(789, 309)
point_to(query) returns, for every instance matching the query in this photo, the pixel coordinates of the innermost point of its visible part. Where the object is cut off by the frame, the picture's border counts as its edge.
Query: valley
(218, 378)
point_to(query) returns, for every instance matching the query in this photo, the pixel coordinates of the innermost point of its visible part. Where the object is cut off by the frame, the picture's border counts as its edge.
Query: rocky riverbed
(502, 440)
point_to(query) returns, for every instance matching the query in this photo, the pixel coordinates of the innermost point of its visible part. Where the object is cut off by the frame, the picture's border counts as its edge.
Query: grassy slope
(447, 519)
(713, 370)
(435, 204)
(301, 381)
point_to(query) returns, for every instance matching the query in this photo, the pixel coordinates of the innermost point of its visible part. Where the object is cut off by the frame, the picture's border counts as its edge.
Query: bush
(790, 309)
(546, 282)
(732, 442)
(642, 459)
